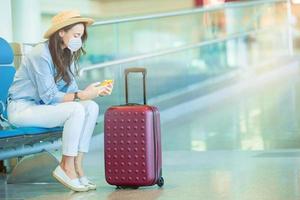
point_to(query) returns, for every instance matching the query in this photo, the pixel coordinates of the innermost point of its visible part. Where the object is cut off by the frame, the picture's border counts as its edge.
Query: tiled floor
(240, 175)
(245, 148)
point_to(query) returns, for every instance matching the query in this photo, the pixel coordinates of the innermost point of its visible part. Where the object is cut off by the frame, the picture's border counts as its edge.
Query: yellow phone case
(106, 82)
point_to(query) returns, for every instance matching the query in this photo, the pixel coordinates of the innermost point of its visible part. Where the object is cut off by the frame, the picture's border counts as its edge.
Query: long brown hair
(63, 58)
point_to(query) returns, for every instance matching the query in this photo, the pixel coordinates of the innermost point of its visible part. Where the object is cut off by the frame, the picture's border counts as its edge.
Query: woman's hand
(105, 90)
(90, 92)
(94, 90)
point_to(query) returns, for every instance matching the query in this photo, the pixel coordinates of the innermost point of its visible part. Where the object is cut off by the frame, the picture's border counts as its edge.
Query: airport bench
(17, 142)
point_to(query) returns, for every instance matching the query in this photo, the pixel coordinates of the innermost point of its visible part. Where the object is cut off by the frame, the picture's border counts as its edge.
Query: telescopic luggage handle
(135, 70)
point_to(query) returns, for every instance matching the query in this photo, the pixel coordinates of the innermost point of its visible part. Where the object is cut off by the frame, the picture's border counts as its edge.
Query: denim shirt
(34, 80)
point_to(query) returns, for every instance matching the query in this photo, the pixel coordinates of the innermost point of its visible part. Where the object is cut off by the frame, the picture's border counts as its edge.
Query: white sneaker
(63, 178)
(86, 182)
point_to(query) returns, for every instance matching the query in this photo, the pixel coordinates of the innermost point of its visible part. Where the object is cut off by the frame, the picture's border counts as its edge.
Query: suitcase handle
(135, 70)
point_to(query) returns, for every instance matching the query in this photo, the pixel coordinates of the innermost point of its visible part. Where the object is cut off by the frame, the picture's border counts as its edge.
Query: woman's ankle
(78, 160)
(79, 172)
(69, 170)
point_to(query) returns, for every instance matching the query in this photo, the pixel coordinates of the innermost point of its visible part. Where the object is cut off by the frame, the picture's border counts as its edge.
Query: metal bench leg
(35, 168)
(2, 167)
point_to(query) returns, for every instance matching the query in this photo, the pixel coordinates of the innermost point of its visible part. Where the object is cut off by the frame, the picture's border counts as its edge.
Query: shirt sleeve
(43, 78)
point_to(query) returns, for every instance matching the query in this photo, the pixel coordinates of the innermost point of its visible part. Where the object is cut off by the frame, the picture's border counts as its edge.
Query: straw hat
(64, 19)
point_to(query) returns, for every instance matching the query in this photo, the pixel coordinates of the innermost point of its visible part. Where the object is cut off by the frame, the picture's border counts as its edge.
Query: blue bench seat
(13, 132)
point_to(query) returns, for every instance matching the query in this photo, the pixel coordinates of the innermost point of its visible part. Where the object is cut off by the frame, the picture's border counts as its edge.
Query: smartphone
(105, 82)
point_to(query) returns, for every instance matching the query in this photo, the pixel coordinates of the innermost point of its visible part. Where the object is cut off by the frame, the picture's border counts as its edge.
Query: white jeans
(77, 118)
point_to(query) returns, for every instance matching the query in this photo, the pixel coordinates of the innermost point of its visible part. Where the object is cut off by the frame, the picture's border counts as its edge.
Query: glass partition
(185, 49)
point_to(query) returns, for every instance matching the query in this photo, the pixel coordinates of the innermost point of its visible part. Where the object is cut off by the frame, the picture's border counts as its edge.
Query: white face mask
(74, 44)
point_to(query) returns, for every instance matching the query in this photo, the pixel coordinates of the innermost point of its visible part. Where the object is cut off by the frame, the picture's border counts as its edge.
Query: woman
(45, 94)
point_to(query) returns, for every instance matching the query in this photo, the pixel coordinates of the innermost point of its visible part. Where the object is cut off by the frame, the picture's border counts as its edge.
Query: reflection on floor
(244, 148)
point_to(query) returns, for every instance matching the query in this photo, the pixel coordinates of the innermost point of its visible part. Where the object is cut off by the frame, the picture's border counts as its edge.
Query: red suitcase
(132, 142)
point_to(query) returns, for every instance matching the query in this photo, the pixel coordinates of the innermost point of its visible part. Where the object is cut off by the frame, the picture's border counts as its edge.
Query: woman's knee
(91, 106)
(75, 108)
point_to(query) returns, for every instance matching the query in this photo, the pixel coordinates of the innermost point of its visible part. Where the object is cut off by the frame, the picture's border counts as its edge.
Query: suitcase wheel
(127, 187)
(160, 181)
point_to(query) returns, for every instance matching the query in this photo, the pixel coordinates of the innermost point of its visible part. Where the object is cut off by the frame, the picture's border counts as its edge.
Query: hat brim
(56, 27)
